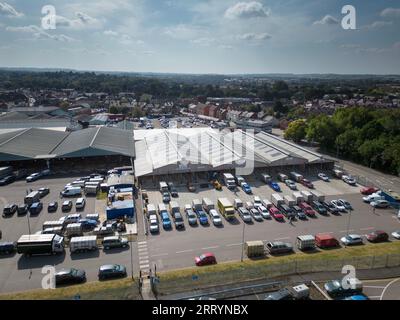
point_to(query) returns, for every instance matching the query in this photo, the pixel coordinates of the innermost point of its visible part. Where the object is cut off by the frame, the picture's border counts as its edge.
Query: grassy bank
(123, 289)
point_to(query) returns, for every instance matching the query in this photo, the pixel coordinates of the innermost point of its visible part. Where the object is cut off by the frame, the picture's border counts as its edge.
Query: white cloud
(328, 19)
(182, 32)
(225, 46)
(39, 34)
(203, 41)
(391, 13)
(149, 52)
(254, 36)
(9, 11)
(247, 10)
(378, 25)
(111, 33)
(123, 38)
(82, 21)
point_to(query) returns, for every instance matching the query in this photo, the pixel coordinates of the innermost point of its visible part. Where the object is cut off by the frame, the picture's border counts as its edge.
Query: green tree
(296, 130)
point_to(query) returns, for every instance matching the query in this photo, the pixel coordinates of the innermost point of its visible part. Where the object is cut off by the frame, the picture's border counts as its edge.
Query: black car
(166, 197)
(7, 180)
(330, 207)
(170, 186)
(66, 206)
(283, 294)
(299, 212)
(287, 211)
(319, 207)
(22, 209)
(52, 207)
(43, 192)
(109, 271)
(8, 247)
(174, 192)
(70, 276)
(9, 210)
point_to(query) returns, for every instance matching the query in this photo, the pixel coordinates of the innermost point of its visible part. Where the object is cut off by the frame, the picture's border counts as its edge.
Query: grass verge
(101, 196)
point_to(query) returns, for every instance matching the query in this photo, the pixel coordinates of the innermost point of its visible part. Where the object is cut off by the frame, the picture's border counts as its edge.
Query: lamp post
(29, 225)
(244, 225)
(131, 234)
(348, 223)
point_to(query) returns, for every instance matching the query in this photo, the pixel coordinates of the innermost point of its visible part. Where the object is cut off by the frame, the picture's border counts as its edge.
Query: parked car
(357, 297)
(323, 177)
(244, 214)
(335, 288)
(368, 190)
(396, 234)
(256, 214)
(174, 192)
(215, 217)
(299, 212)
(191, 187)
(307, 209)
(275, 186)
(349, 180)
(351, 239)
(178, 220)
(338, 206)
(153, 224)
(70, 276)
(191, 216)
(257, 201)
(330, 207)
(202, 216)
(246, 188)
(36, 208)
(291, 184)
(43, 192)
(380, 204)
(287, 211)
(66, 206)
(265, 213)
(307, 183)
(33, 177)
(205, 259)
(279, 247)
(114, 242)
(275, 213)
(283, 294)
(319, 207)
(22, 209)
(80, 203)
(346, 204)
(9, 210)
(88, 224)
(52, 206)
(109, 271)
(166, 198)
(166, 221)
(7, 180)
(8, 247)
(378, 236)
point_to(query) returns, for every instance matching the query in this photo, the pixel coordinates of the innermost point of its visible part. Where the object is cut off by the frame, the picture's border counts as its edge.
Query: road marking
(159, 255)
(142, 242)
(142, 245)
(375, 287)
(144, 261)
(388, 285)
(183, 251)
(145, 266)
(234, 244)
(209, 247)
(374, 297)
(369, 228)
(351, 230)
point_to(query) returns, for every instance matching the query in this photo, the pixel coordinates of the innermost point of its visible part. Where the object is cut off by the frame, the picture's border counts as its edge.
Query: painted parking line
(375, 287)
(183, 251)
(374, 297)
(387, 286)
(214, 247)
(284, 238)
(159, 255)
(145, 266)
(142, 249)
(369, 228)
(142, 242)
(234, 244)
(344, 231)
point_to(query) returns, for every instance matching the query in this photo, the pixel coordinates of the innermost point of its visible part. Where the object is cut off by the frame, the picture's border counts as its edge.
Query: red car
(378, 236)
(275, 213)
(307, 209)
(368, 190)
(307, 183)
(205, 259)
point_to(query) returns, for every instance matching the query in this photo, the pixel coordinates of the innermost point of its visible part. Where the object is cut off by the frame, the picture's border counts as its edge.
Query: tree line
(367, 136)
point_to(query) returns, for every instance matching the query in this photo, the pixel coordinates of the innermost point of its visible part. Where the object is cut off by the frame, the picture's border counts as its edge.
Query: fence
(258, 270)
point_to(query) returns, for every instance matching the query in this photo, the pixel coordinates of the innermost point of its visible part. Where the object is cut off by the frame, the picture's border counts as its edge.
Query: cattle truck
(35, 244)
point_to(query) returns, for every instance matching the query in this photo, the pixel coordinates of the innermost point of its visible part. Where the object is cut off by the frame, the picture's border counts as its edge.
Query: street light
(348, 223)
(131, 235)
(244, 225)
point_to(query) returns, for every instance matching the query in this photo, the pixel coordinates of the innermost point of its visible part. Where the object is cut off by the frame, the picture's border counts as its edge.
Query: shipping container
(305, 242)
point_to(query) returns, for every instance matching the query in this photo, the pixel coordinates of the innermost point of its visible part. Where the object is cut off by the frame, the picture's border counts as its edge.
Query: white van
(265, 178)
(372, 198)
(266, 203)
(163, 186)
(208, 204)
(237, 203)
(174, 207)
(71, 192)
(162, 207)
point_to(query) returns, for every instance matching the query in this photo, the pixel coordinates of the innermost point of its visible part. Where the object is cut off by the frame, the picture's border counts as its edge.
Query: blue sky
(203, 36)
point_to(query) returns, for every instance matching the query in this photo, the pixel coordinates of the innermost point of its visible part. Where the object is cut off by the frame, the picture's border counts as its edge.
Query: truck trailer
(229, 180)
(81, 244)
(35, 244)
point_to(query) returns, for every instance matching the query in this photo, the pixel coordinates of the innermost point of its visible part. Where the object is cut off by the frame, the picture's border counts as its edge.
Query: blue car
(88, 224)
(357, 297)
(202, 217)
(166, 221)
(246, 188)
(275, 186)
(35, 208)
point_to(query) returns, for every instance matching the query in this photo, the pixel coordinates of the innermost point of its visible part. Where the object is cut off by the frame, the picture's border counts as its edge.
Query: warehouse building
(93, 148)
(189, 154)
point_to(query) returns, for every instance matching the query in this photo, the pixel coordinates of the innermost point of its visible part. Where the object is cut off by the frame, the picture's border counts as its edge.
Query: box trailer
(229, 180)
(54, 230)
(254, 249)
(53, 224)
(226, 208)
(163, 186)
(300, 291)
(276, 199)
(237, 203)
(5, 171)
(197, 205)
(91, 189)
(298, 197)
(290, 201)
(174, 207)
(74, 230)
(265, 178)
(266, 203)
(33, 197)
(36, 244)
(81, 244)
(296, 176)
(317, 196)
(208, 204)
(151, 209)
(307, 195)
(305, 242)
(338, 173)
(326, 240)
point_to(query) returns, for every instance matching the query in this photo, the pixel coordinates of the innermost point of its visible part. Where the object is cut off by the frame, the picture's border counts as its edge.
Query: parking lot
(176, 249)
(18, 272)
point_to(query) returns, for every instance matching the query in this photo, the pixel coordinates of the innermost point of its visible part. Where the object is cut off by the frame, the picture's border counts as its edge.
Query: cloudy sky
(202, 36)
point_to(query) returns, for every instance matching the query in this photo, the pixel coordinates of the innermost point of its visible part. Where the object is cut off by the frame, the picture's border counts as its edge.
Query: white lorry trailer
(81, 244)
(277, 200)
(317, 196)
(74, 230)
(298, 197)
(307, 195)
(229, 181)
(289, 201)
(208, 204)
(32, 244)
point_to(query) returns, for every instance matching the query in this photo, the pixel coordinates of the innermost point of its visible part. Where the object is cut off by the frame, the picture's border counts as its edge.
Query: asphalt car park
(176, 249)
(18, 272)
(386, 289)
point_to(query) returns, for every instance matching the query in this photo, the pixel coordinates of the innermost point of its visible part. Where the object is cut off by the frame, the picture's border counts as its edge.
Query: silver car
(351, 239)
(244, 214)
(215, 217)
